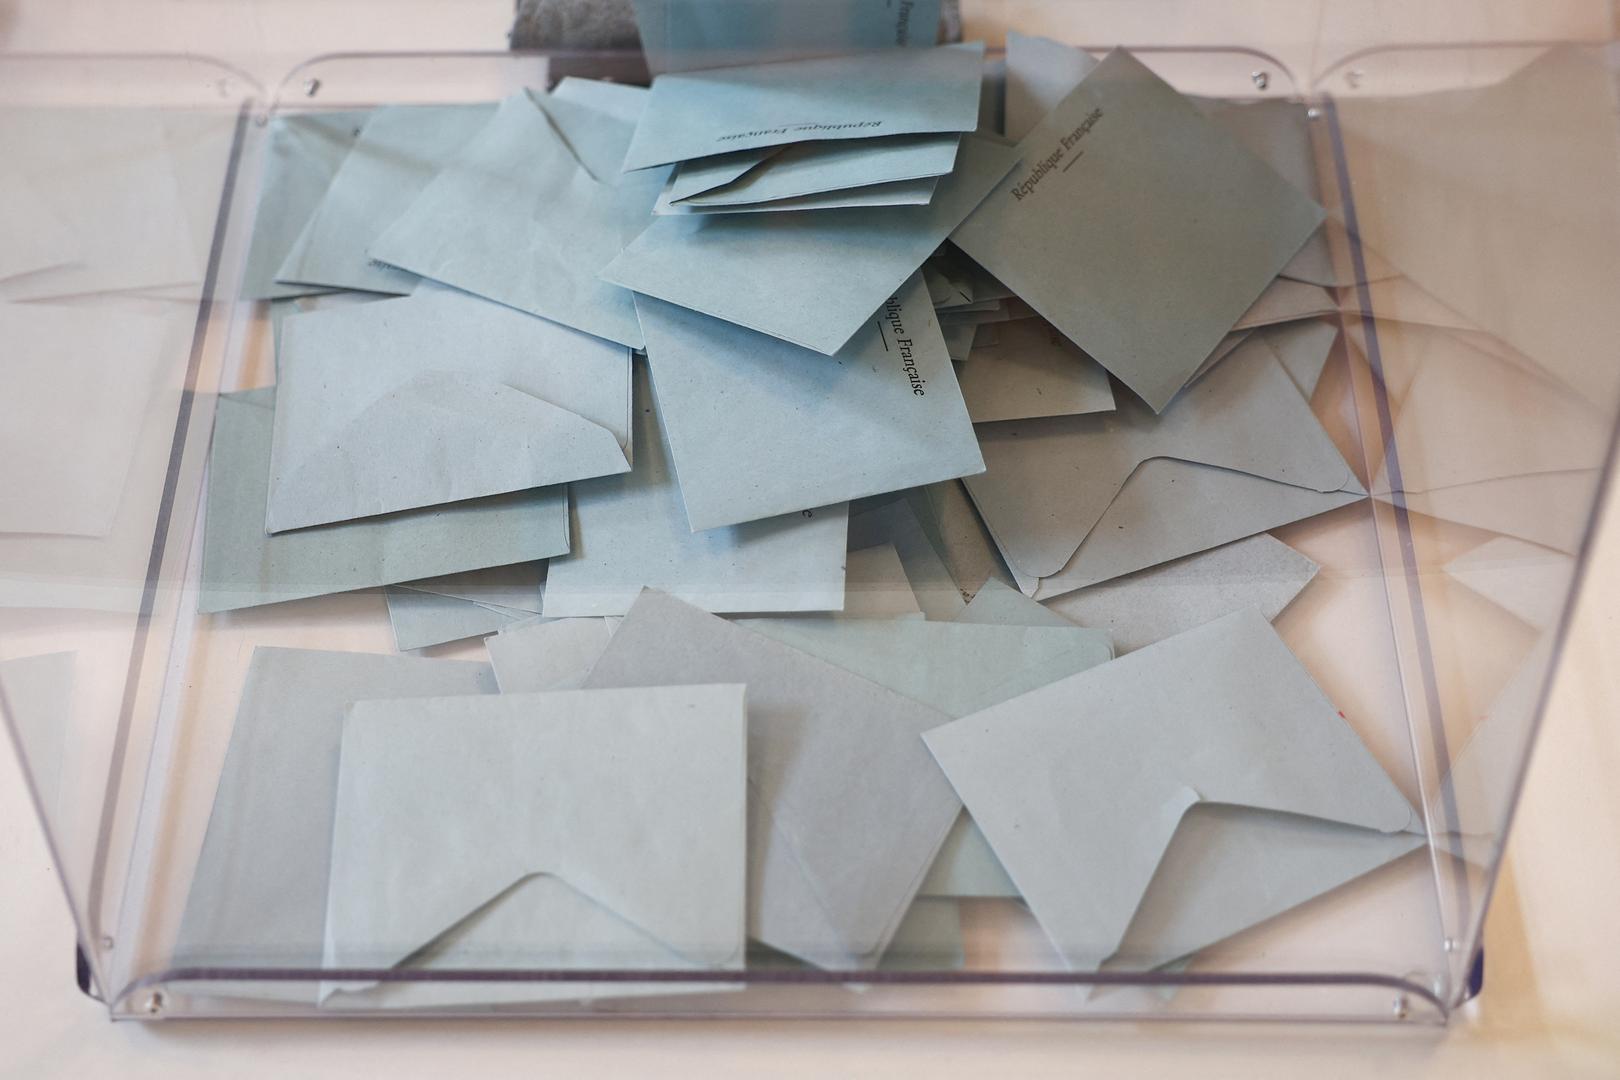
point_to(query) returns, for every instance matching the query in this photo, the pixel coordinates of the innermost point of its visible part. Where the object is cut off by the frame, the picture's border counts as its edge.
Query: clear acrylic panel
(1470, 388)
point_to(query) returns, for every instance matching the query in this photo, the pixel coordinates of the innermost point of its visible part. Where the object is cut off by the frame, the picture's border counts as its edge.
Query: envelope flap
(411, 447)
(633, 797)
(1049, 482)
(1079, 785)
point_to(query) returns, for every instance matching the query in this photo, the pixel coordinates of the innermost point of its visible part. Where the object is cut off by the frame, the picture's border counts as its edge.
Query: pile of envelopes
(868, 491)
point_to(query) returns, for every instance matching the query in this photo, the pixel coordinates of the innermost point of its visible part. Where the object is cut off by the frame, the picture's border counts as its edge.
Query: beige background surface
(1552, 994)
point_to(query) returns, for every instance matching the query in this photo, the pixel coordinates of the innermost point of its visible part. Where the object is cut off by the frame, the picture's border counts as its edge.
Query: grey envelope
(856, 96)
(399, 151)
(846, 811)
(258, 896)
(759, 427)
(1123, 156)
(1223, 714)
(1072, 501)
(1032, 370)
(245, 567)
(813, 280)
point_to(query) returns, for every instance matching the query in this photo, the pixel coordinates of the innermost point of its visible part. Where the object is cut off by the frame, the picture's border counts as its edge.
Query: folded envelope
(457, 606)
(856, 96)
(899, 193)
(518, 217)
(1484, 442)
(74, 394)
(846, 810)
(918, 192)
(1032, 370)
(898, 524)
(875, 587)
(436, 398)
(813, 168)
(1040, 74)
(1221, 714)
(759, 427)
(305, 152)
(547, 654)
(683, 35)
(718, 170)
(1259, 572)
(244, 567)
(1124, 153)
(398, 153)
(1072, 501)
(634, 799)
(258, 895)
(813, 282)
(631, 532)
(1302, 348)
(957, 668)
(958, 533)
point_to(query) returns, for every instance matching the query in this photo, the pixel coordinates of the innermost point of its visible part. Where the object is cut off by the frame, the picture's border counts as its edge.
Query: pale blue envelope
(858, 96)
(812, 279)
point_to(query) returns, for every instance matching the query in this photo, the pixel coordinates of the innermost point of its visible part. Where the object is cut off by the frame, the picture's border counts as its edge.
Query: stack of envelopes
(869, 503)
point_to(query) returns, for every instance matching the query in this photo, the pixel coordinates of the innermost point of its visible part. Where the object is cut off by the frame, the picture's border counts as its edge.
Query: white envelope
(759, 427)
(846, 810)
(1221, 714)
(1072, 501)
(631, 532)
(448, 808)
(436, 398)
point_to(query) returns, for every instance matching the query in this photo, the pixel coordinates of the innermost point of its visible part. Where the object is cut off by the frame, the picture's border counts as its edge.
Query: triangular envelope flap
(1049, 482)
(432, 426)
(1469, 416)
(1175, 508)
(1302, 349)
(824, 746)
(1285, 301)
(1224, 712)
(452, 801)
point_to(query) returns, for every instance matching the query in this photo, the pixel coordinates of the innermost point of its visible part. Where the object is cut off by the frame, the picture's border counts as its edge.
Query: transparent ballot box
(713, 682)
